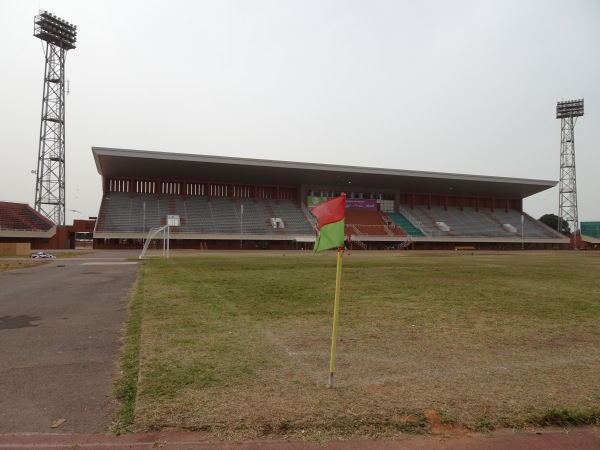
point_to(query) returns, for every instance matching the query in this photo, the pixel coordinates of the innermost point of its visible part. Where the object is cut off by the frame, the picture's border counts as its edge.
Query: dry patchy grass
(19, 264)
(237, 344)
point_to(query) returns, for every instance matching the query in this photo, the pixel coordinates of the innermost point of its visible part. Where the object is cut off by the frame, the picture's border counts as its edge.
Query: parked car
(42, 255)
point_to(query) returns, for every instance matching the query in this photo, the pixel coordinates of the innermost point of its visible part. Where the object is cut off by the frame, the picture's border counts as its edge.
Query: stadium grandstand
(21, 224)
(229, 203)
(20, 220)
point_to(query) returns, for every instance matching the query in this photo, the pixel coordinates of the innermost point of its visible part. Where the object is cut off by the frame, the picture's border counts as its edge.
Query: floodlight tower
(568, 112)
(58, 37)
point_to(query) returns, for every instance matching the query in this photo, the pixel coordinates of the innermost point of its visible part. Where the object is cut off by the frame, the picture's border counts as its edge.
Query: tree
(552, 221)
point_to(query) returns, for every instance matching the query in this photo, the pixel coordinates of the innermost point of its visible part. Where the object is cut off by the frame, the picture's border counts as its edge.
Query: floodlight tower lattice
(58, 36)
(568, 112)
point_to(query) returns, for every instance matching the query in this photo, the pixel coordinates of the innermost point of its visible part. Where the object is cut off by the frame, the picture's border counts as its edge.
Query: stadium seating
(21, 217)
(370, 223)
(294, 218)
(531, 228)
(473, 223)
(121, 213)
(405, 224)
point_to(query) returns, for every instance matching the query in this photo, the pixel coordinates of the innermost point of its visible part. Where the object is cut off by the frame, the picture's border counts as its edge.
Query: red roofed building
(20, 223)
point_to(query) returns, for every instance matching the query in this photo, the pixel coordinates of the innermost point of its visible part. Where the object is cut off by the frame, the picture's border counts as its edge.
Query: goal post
(154, 235)
(152, 240)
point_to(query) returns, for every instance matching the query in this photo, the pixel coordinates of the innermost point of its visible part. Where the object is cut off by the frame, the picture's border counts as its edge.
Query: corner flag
(330, 234)
(330, 223)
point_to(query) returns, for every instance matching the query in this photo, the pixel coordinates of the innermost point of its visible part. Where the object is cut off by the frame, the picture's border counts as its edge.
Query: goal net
(156, 243)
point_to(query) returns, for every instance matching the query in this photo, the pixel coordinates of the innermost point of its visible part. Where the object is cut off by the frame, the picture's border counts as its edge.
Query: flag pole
(336, 310)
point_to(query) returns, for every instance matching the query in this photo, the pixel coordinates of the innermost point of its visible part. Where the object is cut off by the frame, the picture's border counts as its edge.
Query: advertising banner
(365, 204)
(314, 201)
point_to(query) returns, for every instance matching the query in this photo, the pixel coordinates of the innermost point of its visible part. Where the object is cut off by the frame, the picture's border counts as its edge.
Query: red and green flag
(330, 223)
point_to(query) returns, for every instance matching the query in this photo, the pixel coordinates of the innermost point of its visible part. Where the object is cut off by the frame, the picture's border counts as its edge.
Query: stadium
(229, 203)
(232, 203)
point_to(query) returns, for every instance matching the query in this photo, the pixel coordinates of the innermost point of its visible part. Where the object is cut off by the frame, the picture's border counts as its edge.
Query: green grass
(126, 383)
(237, 343)
(566, 418)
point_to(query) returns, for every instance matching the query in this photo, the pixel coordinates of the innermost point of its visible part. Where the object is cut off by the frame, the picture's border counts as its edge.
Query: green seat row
(405, 224)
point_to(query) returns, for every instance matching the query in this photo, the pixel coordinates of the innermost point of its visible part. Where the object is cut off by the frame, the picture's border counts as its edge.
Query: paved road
(60, 326)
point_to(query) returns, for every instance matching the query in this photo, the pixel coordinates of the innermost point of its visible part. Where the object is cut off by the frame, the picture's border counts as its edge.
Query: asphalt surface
(60, 328)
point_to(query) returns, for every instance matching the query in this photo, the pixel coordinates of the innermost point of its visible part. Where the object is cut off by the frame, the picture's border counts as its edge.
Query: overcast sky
(444, 86)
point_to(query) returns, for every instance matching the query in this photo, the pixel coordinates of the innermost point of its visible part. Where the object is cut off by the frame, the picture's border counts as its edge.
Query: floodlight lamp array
(572, 108)
(54, 30)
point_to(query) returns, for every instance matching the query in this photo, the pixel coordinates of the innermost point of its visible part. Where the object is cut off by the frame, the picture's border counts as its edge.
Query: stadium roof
(141, 164)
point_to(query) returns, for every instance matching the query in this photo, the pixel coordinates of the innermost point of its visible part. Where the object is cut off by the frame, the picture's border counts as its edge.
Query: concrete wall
(15, 248)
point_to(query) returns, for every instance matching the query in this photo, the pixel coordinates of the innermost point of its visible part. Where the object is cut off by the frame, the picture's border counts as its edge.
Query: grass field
(237, 343)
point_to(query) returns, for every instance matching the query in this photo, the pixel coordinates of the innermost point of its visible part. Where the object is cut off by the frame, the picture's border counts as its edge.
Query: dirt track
(587, 438)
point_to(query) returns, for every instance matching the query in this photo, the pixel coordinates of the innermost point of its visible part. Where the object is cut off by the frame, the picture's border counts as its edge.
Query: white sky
(462, 87)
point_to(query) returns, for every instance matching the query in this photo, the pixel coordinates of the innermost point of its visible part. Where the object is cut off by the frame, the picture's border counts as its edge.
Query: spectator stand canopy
(210, 192)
